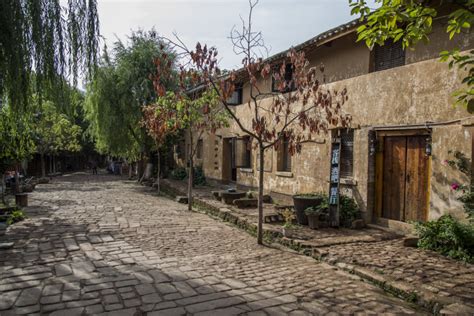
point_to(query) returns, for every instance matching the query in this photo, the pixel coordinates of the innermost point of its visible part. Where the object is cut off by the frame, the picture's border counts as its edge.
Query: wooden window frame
(390, 62)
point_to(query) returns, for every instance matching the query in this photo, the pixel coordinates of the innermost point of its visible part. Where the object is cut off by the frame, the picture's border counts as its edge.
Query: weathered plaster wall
(412, 94)
(416, 93)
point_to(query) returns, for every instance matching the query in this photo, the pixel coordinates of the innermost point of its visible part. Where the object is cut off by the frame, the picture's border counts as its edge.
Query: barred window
(390, 55)
(347, 153)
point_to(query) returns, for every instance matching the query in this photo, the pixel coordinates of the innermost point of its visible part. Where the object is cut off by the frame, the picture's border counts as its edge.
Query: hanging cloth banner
(334, 177)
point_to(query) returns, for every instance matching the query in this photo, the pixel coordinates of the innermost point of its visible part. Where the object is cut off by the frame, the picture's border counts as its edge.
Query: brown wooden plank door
(393, 192)
(416, 198)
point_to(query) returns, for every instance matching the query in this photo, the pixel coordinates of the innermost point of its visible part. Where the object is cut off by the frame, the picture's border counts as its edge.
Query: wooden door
(393, 201)
(405, 178)
(416, 200)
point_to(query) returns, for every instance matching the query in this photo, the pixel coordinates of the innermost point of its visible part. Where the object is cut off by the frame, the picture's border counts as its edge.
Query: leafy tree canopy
(120, 88)
(47, 39)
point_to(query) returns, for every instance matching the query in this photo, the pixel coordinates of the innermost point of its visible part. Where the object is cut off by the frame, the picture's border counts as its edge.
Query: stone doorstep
(422, 297)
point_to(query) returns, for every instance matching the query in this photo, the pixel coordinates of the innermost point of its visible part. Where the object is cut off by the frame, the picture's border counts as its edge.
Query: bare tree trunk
(191, 172)
(17, 179)
(43, 166)
(260, 196)
(158, 172)
(3, 188)
(190, 183)
(130, 170)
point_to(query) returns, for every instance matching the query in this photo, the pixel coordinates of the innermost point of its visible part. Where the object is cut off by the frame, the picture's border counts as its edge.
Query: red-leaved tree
(300, 106)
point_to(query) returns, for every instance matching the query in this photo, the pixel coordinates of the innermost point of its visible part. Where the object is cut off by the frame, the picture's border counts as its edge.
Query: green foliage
(447, 236)
(468, 200)
(51, 39)
(460, 162)
(410, 22)
(320, 209)
(15, 216)
(16, 137)
(198, 176)
(54, 132)
(118, 91)
(178, 173)
(348, 211)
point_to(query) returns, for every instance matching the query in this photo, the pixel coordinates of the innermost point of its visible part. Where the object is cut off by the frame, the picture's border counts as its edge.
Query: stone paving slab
(434, 281)
(97, 245)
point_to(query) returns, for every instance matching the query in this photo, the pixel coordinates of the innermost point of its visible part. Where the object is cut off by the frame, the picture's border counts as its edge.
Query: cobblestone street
(97, 244)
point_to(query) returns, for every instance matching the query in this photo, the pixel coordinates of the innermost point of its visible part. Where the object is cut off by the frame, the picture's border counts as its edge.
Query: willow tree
(16, 142)
(120, 88)
(51, 39)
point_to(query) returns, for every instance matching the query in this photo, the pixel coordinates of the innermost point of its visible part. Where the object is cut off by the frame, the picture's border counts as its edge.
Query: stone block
(216, 195)
(358, 224)
(230, 197)
(410, 241)
(246, 203)
(182, 199)
(43, 180)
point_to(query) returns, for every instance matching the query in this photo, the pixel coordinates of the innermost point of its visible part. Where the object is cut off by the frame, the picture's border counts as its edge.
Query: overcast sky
(283, 22)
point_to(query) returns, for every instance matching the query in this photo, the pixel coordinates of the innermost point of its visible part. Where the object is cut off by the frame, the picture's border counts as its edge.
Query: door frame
(379, 165)
(228, 160)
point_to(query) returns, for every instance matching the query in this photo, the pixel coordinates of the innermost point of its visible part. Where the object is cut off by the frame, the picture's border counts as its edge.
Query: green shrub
(198, 176)
(322, 208)
(348, 211)
(468, 200)
(15, 216)
(178, 173)
(447, 236)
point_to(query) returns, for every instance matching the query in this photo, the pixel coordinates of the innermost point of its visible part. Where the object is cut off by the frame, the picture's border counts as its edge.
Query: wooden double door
(405, 178)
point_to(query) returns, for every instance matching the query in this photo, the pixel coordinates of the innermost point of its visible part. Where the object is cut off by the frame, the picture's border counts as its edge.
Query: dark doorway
(229, 170)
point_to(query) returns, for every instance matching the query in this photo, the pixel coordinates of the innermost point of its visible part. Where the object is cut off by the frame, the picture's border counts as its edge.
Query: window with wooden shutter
(390, 55)
(243, 152)
(347, 153)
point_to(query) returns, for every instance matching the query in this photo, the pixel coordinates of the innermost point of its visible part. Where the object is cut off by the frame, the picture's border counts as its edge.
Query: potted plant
(303, 201)
(318, 216)
(288, 228)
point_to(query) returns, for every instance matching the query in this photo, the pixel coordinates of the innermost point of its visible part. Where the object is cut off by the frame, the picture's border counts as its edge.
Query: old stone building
(404, 127)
